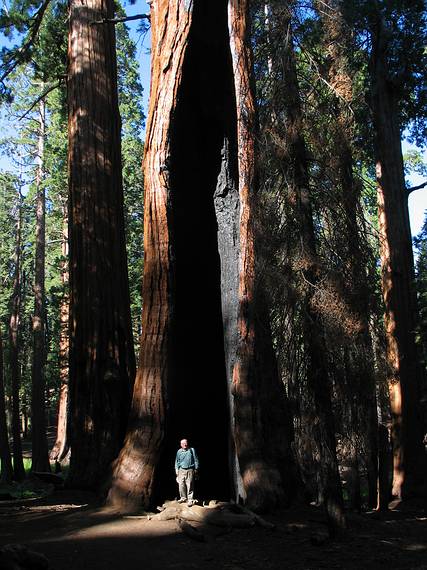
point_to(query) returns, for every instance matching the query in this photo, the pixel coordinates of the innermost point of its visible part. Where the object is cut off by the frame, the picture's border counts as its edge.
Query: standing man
(186, 466)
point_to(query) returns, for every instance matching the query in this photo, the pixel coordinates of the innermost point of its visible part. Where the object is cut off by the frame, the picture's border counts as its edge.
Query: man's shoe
(190, 503)
(182, 500)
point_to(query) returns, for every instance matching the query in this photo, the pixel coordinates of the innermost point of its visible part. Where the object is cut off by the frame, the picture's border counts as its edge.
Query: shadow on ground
(74, 533)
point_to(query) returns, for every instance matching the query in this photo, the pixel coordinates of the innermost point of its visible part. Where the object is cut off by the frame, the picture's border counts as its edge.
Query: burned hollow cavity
(204, 217)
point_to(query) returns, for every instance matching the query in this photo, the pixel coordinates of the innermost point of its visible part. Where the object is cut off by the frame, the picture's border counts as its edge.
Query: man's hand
(196, 473)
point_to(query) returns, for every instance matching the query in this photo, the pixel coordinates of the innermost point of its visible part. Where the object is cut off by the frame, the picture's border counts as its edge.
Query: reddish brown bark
(134, 472)
(39, 450)
(6, 462)
(397, 273)
(101, 356)
(198, 268)
(384, 469)
(60, 447)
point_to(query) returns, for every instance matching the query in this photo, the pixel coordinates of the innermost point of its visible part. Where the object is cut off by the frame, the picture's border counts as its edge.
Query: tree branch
(119, 20)
(25, 48)
(409, 190)
(40, 97)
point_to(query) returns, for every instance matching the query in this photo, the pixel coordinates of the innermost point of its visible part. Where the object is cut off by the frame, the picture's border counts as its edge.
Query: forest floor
(74, 534)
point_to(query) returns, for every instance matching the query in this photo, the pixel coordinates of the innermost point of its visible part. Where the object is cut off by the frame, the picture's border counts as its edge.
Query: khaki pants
(186, 483)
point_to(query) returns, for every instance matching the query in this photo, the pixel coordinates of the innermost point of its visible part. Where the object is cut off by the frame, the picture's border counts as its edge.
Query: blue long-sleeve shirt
(186, 459)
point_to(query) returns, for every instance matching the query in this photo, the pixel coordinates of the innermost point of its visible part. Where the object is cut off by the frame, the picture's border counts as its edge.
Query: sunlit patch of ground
(77, 535)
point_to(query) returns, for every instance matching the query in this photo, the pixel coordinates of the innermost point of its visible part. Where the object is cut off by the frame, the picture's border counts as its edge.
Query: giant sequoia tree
(202, 348)
(101, 362)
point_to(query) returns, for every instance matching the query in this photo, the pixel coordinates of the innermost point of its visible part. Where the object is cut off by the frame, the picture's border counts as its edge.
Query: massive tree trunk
(61, 447)
(15, 371)
(39, 451)
(397, 273)
(361, 419)
(6, 462)
(199, 271)
(101, 356)
(318, 407)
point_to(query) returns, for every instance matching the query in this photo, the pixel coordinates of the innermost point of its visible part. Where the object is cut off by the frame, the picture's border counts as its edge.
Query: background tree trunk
(15, 373)
(384, 469)
(61, 446)
(39, 453)
(397, 272)
(101, 349)
(6, 462)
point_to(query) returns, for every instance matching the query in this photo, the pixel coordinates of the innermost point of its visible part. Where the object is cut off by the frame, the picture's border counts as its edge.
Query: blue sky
(417, 200)
(143, 45)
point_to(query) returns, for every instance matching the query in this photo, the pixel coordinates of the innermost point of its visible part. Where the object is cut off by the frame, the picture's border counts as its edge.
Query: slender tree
(6, 462)
(7, 195)
(40, 460)
(14, 349)
(61, 446)
(397, 268)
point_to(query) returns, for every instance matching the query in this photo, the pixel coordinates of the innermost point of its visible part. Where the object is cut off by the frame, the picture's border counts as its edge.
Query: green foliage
(31, 76)
(421, 282)
(28, 489)
(132, 149)
(50, 51)
(8, 209)
(129, 84)
(26, 19)
(414, 162)
(403, 30)
(132, 115)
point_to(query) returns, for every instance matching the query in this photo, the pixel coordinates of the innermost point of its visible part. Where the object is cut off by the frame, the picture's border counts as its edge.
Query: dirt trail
(74, 534)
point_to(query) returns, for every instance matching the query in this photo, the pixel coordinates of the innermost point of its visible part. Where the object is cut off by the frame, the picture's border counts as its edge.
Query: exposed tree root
(228, 515)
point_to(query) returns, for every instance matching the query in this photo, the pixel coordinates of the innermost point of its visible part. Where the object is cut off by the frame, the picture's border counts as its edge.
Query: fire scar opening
(203, 213)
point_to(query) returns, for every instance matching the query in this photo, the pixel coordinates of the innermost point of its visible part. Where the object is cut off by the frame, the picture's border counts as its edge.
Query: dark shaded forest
(253, 286)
